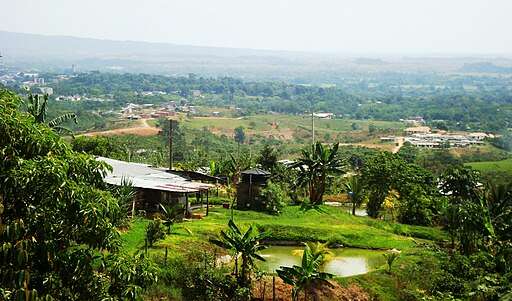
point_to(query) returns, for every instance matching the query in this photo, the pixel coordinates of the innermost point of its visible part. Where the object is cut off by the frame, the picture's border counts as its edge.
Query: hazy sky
(349, 26)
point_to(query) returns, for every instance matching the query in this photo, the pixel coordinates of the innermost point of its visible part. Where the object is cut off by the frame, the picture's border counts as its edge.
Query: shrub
(154, 231)
(274, 198)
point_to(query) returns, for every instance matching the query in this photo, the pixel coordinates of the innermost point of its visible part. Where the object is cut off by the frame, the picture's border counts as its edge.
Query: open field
(279, 123)
(493, 166)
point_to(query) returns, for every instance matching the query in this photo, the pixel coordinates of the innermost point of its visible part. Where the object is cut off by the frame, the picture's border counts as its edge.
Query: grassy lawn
(335, 225)
(497, 166)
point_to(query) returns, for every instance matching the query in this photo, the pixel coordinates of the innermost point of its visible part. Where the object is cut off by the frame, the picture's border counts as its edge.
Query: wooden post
(186, 204)
(133, 207)
(171, 131)
(207, 202)
(273, 288)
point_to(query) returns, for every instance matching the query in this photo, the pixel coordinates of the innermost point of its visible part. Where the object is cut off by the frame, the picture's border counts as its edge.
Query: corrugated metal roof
(145, 176)
(256, 171)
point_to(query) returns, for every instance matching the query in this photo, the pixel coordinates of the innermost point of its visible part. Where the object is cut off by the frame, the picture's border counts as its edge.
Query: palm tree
(356, 192)
(37, 106)
(171, 214)
(245, 245)
(315, 165)
(306, 276)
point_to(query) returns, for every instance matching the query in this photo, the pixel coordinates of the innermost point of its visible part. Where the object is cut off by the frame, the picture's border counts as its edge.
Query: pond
(344, 262)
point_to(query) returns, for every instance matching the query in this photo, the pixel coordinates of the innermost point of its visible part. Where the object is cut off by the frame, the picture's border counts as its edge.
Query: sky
(343, 26)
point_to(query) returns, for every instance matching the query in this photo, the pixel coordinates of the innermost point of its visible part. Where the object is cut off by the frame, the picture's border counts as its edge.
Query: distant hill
(485, 67)
(369, 61)
(57, 53)
(43, 51)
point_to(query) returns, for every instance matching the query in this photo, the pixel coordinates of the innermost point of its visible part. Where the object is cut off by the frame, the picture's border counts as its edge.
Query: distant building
(418, 130)
(480, 136)
(46, 90)
(324, 115)
(388, 139)
(195, 93)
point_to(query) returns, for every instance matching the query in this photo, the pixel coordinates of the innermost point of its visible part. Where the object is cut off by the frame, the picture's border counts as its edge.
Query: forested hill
(457, 107)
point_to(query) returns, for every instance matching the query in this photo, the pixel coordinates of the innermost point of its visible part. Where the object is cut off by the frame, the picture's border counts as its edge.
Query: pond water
(345, 262)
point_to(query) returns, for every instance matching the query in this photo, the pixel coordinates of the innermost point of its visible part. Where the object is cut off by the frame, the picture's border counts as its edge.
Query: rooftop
(145, 176)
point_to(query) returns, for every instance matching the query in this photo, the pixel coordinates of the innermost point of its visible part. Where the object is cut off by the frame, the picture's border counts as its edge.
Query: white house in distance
(324, 115)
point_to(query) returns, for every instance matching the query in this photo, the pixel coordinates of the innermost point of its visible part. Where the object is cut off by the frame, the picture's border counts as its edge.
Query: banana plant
(37, 106)
(171, 214)
(306, 276)
(245, 245)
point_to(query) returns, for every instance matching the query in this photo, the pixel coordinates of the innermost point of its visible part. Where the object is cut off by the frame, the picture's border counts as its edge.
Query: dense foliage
(57, 223)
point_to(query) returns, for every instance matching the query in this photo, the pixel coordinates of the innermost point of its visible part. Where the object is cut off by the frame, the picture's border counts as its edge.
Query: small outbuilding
(154, 186)
(249, 188)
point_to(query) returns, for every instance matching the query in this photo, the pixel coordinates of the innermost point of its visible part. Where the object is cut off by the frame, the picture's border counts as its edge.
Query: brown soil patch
(138, 131)
(143, 129)
(262, 290)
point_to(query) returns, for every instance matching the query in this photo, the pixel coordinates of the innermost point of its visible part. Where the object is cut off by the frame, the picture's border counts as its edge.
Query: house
(154, 186)
(479, 136)
(418, 130)
(324, 115)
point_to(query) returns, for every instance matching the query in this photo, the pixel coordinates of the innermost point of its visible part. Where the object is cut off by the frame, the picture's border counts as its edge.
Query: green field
(334, 225)
(270, 122)
(493, 166)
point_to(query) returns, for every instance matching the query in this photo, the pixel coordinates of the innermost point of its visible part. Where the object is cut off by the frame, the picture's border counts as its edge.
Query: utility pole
(171, 132)
(313, 125)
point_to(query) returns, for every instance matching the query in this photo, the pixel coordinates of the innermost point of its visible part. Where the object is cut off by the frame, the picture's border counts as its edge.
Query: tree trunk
(353, 208)
(236, 265)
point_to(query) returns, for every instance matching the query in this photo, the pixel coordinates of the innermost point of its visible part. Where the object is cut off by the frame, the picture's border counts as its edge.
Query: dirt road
(399, 141)
(141, 129)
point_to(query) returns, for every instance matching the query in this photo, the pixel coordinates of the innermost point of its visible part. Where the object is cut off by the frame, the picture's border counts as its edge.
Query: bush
(154, 231)
(274, 198)
(199, 280)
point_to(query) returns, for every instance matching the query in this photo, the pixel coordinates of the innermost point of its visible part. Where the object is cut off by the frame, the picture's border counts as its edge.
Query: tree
(372, 129)
(315, 165)
(268, 157)
(468, 215)
(239, 135)
(356, 192)
(379, 172)
(245, 245)
(306, 276)
(37, 106)
(56, 218)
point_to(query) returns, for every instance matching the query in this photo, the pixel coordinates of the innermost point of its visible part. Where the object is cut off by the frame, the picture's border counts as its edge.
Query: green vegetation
(492, 166)
(58, 236)
(305, 277)
(333, 226)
